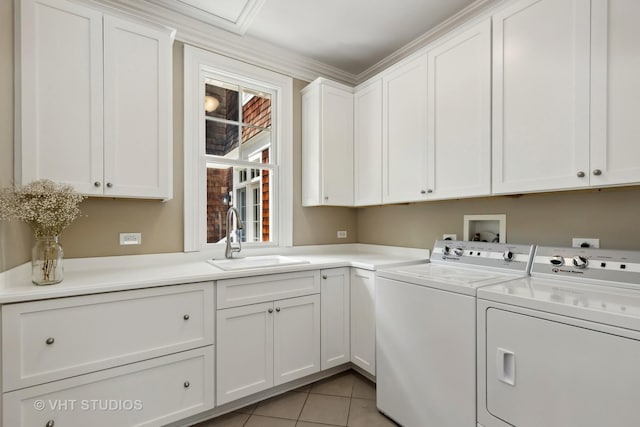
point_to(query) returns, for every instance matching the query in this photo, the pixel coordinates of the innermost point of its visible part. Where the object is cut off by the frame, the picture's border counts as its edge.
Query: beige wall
(612, 215)
(161, 224)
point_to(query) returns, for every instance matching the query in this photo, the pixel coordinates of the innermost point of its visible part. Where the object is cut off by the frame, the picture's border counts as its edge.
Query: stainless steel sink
(250, 263)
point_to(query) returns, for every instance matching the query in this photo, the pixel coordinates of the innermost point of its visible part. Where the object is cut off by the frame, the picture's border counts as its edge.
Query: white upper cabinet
(541, 95)
(368, 143)
(327, 144)
(615, 92)
(404, 132)
(459, 119)
(93, 101)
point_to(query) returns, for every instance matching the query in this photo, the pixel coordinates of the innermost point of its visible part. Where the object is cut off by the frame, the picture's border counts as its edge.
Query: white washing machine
(426, 331)
(562, 347)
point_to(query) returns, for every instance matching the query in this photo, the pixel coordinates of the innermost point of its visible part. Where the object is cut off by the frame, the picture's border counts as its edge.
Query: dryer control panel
(618, 266)
(506, 256)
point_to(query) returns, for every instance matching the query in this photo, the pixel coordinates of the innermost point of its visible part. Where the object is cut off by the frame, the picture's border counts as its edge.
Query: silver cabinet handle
(50, 340)
(109, 185)
(186, 384)
(278, 309)
(270, 310)
(185, 317)
(580, 174)
(597, 172)
(50, 423)
(96, 184)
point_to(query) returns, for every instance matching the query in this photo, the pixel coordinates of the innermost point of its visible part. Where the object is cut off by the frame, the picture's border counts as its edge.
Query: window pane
(221, 100)
(221, 138)
(256, 109)
(249, 190)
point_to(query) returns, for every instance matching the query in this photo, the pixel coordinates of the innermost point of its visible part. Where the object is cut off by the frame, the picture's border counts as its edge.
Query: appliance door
(425, 355)
(548, 372)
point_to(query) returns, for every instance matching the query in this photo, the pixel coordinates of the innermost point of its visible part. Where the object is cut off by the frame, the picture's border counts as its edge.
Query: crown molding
(244, 48)
(467, 14)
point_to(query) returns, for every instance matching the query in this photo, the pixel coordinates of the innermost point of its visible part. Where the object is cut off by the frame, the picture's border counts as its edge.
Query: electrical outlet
(127, 239)
(342, 234)
(584, 242)
(449, 237)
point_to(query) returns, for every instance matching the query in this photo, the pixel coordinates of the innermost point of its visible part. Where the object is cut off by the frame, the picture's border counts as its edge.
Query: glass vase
(46, 261)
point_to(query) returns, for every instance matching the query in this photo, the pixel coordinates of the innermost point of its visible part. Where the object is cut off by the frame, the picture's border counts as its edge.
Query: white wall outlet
(127, 239)
(342, 234)
(585, 242)
(449, 237)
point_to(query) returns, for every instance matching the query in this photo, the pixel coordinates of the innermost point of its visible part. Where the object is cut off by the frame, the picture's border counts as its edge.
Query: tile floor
(346, 399)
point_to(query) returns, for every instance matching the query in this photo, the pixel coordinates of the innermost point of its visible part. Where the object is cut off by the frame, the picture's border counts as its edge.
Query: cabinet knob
(270, 310)
(324, 276)
(278, 309)
(187, 384)
(50, 340)
(326, 197)
(580, 174)
(429, 191)
(423, 192)
(597, 172)
(50, 423)
(96, 184)
(109, 185)
(185, 317)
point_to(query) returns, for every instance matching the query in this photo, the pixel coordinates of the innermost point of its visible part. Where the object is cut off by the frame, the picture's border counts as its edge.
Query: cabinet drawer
(257, 289)
(49, 340)
(150, 393)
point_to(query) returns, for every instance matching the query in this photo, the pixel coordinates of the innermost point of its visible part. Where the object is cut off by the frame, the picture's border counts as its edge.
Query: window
(237, 151)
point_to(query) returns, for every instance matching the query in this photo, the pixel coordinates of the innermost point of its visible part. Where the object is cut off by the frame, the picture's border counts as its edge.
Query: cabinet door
(296, 338)
(615, 95)
(337, 146)
(368, 144)
(59, 94)
(138, 61)
(460, 92)
(244, 347)
(363, 323)
(541, 96)
(335, 324)
(404, 132)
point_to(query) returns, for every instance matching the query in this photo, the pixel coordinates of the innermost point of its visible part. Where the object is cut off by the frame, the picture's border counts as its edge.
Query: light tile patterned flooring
(346, 399)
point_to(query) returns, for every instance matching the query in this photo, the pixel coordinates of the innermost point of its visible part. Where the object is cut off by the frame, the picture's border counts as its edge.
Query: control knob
(580, 261)
(557, 260)
(507, 256)
(458, 251)
(446, 250)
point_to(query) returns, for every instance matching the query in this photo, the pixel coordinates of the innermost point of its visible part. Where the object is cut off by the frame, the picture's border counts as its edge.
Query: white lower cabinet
(335, 317)
(363, 322)
(150, 393)
(263, 345)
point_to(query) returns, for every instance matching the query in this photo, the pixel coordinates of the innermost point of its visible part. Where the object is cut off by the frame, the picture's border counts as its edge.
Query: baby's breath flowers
(46, 206)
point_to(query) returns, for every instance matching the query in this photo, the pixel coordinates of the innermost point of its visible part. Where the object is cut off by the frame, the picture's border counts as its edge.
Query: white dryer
(426, 331)
(562, 347)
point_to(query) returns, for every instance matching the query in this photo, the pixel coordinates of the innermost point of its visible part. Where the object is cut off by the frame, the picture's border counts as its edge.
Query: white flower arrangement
(46, 206)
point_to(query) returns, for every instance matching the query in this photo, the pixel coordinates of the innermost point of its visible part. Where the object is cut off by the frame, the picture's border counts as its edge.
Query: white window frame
(197, 64)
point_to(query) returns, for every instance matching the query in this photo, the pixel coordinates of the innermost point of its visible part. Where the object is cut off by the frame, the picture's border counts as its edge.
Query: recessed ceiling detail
(231, 15)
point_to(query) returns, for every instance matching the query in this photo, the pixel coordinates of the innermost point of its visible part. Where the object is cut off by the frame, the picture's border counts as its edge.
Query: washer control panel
(498, 255)
(592, 264)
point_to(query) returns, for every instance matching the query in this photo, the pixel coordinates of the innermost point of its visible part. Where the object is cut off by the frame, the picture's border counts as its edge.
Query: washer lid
(603, 304)
(448, 278)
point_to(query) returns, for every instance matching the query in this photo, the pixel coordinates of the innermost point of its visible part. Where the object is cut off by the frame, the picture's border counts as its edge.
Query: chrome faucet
(228, 252)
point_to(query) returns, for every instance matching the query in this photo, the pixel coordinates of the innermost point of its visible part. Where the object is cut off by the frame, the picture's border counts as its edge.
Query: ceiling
(350, 35)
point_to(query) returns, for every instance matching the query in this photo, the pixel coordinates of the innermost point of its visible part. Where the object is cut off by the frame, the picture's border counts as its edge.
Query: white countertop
(106, 274)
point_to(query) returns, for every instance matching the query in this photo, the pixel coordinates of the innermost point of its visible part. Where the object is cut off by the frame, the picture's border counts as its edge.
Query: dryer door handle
(506, 366)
